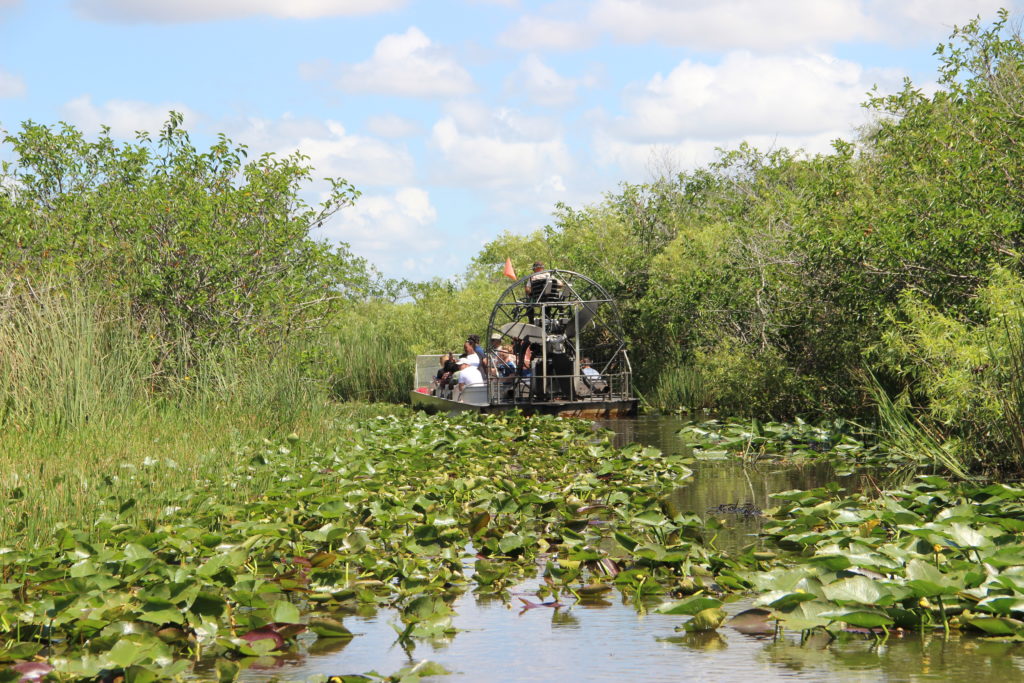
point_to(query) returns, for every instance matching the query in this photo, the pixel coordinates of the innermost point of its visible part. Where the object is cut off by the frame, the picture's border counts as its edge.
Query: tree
(206, 247)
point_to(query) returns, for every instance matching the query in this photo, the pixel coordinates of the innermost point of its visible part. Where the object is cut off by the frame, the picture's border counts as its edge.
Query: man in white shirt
(469, 375)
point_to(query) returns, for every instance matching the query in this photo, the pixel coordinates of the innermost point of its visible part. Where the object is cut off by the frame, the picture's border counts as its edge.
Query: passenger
(444, 373)
(473, 349)
(592, 378)
(504, 360)
(469, 376)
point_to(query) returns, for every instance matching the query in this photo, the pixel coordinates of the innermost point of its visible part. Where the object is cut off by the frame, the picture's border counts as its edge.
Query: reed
(906, 436)
(680, 387)
(91, 419)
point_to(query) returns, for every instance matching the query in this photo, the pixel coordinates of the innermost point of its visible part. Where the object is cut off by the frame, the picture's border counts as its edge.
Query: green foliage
(755, 285)
(366, 351)
(967, 373)
(203, 248)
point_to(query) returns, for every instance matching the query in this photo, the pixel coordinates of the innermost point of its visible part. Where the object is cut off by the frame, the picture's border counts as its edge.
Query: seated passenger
(504, 360)
(444, 373)
(472, 349)
(469, 376)
(592, 378)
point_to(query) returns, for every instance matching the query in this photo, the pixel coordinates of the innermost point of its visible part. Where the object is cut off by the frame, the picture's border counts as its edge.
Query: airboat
(558, 350)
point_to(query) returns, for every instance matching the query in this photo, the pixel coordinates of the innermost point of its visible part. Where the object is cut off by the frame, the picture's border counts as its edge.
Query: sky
(461, 119)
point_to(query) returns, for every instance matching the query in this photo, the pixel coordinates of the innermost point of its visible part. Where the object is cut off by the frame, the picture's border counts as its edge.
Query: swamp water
(611, 640)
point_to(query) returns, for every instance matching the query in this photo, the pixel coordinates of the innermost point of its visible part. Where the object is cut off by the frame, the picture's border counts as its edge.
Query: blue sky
(460, 119)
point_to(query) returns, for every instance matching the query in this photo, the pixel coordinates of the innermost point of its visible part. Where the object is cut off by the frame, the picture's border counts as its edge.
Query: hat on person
(495, 336)
(463, 361)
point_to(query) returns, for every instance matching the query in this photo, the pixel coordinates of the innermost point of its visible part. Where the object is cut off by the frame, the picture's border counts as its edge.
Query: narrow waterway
(613, 641)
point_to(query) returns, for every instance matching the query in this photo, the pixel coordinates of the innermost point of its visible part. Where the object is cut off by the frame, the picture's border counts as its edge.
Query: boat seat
(476, 395)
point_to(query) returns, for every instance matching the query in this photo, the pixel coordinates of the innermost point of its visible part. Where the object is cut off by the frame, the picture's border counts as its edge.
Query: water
(613, 642)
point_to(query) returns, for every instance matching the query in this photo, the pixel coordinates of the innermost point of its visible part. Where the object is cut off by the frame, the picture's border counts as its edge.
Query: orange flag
(509, 272)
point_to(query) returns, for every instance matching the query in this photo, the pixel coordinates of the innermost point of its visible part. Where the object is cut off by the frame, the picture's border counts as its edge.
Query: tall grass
(911, 439)
(680, 387)
(89, 418)
(64, 361)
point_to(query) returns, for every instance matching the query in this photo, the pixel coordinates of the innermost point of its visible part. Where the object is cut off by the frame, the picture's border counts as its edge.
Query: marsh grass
(90, 421)
(907, 437)
(680, 387)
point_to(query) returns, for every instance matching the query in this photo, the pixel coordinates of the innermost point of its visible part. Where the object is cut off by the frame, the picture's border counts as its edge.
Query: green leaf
(689, 607)
(326, 627)
(857, 589)
(285, 612)
(706, 620)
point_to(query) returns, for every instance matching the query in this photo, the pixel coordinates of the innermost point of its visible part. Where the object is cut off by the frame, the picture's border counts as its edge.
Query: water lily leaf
(1002, 605)
(134, 552)
(161, 612)
(326, 627)
(210, 540)
(208, 605)
(479, 522)
(256, 639)
(753, 621)
(27, 671)
(285, 612)
(510, 542)
(862, 618)
(13, 651)
(356, 541)
(625, 541)
(690, 606)
(706, 620)
(966, 537)
(333, 509)
(831, 562)
(917, 569)
(784, 599)
(857, 589)
(323, 560)
(996, 626)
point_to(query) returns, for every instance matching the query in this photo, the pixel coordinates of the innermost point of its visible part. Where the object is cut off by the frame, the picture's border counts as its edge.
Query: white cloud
(747, 24)
(542, 85)
(909, 20)
(408, 64)
(162, 11)
(498, 148)
(491, 161)
(718, 24)
(11, 85)
(545, 33)
(124, 117)
(333, 152)
(642, 161)
(392, 126)
(747, 95)
(387, 228)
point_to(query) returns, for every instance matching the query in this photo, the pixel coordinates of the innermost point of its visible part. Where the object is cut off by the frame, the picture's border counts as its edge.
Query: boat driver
(541, 286)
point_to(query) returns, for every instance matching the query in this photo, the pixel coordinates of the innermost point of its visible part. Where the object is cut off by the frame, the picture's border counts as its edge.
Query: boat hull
(583, 409)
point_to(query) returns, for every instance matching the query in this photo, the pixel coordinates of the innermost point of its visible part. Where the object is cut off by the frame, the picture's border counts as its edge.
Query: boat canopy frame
(550, 332)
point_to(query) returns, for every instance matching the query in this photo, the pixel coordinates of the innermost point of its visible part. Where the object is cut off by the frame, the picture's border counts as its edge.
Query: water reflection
(605, 638)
